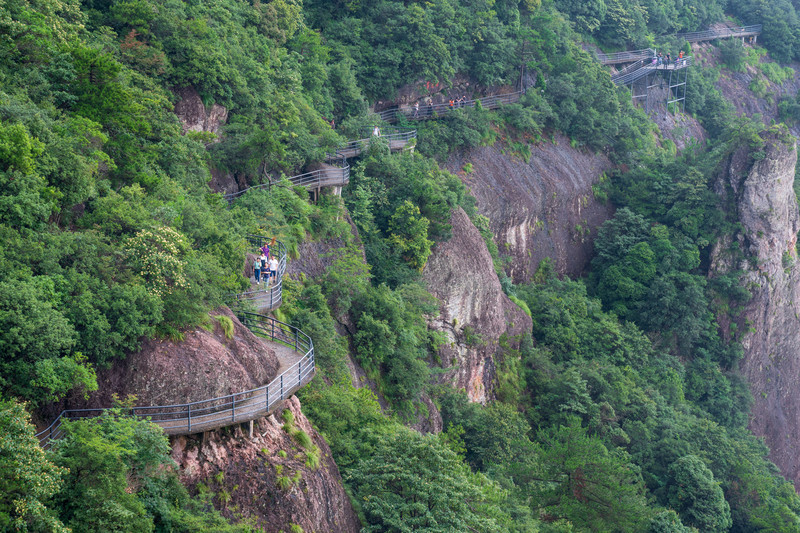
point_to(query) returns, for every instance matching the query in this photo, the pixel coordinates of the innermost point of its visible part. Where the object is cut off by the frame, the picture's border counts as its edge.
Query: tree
(409, 232)
(667, 522)
(36, 341)
(27, 476)
(113, 462)
(416, 483)
(597, 489)
(695, 495)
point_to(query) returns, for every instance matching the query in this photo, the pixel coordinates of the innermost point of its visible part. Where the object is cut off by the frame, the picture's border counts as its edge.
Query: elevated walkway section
(335, 171)
(426, 112)
(721, 33)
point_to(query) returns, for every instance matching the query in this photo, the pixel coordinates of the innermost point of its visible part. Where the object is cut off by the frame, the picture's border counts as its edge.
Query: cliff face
(543, 208)
(243, 474)
(767, 209)
(474, 311)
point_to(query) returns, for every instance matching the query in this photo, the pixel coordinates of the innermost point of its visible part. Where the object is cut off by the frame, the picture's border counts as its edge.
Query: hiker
(668, 60)
(264, 260)
(376, 131)
(273, 269)
(451, 104)
(660, 59)
(430, 107)
(416, 109)
(265, 250)
(680, 56)
(257, 270)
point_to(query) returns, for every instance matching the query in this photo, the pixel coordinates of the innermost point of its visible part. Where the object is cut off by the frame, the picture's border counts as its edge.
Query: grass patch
(313, 458)
(522, 305)
(227, 325)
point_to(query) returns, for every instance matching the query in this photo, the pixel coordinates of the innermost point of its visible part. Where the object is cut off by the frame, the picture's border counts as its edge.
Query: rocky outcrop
(474, 311)
(542, 208)
(765, 204)
(268, 477)
(195, 116)
(205, 364)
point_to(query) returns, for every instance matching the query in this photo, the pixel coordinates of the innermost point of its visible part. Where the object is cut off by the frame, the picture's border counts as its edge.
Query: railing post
(295, 340)
(189, 416)
(233, 408)
(281, 386)
(299, 372)
(267, 389)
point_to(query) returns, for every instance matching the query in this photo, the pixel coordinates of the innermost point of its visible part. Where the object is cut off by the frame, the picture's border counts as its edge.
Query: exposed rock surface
(766, 206)
(195, 116)
(474, 311)
(242, 472)
(544, 208)
(204, 365)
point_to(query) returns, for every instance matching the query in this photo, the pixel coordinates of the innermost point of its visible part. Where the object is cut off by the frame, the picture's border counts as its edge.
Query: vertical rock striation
(765, 205)
(543, 208)
(474, 311)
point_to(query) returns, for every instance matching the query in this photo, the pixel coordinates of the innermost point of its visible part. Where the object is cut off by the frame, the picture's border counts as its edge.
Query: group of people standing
(660, 60)
(427, 111)
(265, 265)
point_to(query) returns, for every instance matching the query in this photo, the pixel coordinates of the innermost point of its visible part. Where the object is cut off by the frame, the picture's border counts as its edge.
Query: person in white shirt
(273, 269)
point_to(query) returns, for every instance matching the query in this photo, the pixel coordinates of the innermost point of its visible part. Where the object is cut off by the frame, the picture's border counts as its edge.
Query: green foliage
(596, 488)
(283, 482)
(408, 232)
(313, 457)
(415, 482)
(775, 73)
(732, 54)
(120, 478)
(28, 479)
(400, 205)
(696, 497)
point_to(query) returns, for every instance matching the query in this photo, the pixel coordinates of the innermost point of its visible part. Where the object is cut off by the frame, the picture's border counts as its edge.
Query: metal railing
(338, 173)
(439, 110)
(721, 33)
(648, 67)
(626, 56)
(214, 413)
(398, 139)
(271, 296)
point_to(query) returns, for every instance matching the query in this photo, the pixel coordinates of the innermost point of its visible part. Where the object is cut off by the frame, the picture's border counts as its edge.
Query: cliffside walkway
(269, 297)
(643, 67)
(426, 112)
(721, 33)
(295, 352)
(335, 171)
